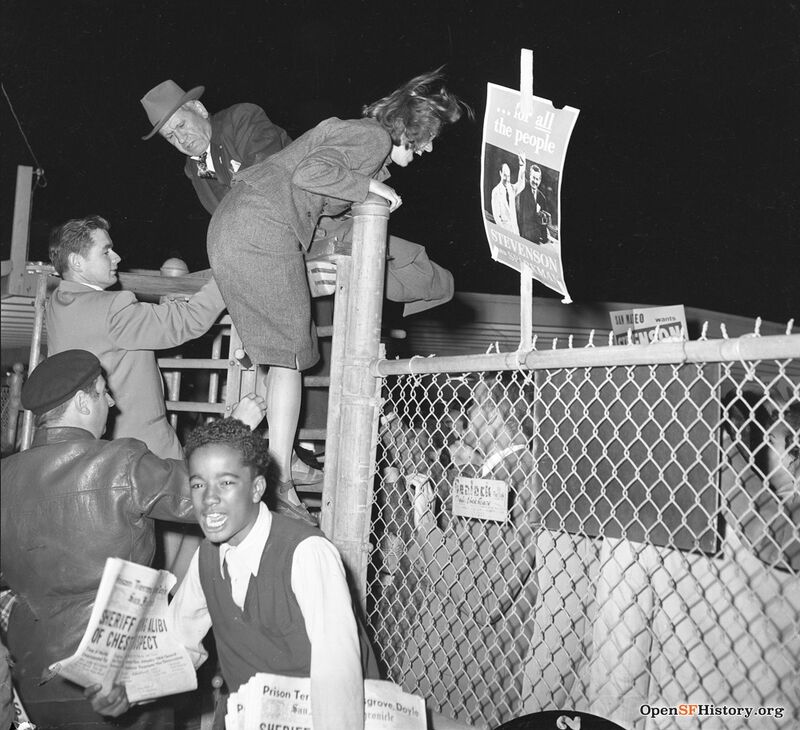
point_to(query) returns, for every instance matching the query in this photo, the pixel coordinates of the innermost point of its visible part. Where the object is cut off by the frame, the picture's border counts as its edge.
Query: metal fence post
(350, 448)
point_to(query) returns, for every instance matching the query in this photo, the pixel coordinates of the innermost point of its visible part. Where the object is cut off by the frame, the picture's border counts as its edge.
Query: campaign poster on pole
(521, 173)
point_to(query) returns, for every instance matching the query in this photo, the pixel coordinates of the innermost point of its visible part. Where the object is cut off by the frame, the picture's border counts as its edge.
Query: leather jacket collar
(60, 434)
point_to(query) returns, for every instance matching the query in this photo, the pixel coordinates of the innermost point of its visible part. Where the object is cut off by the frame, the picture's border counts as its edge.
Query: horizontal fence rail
(604, 529)
(739, 349)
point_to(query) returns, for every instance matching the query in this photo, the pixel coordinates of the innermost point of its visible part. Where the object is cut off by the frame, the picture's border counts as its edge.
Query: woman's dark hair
(74, 236)
(232, 432)
(418, 110)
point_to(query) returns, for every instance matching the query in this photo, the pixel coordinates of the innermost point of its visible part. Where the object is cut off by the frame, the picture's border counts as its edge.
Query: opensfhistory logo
(699, 709)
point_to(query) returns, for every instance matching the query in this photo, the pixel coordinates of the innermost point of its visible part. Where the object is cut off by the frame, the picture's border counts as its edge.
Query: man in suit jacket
(532, 209)
(123, 332)
(504, 196)
(219, 145)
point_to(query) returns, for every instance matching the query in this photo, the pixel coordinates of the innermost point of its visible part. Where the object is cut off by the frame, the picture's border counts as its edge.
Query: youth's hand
(250, 410)
(114, 704)
(382, 189)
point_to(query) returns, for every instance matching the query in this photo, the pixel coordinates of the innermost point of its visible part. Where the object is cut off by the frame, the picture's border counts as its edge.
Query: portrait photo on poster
(521, 195)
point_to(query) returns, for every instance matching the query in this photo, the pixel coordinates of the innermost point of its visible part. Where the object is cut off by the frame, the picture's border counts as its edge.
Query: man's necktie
(508, 195)
(202, 169)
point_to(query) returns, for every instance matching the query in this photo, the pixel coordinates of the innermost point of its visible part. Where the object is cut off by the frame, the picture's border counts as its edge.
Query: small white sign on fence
(483, 499)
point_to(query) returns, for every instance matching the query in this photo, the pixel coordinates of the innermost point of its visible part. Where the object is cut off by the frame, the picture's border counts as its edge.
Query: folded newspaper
(273, 701)
(128, 638)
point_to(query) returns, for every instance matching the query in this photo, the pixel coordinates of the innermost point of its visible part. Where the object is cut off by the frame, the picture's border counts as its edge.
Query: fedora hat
(162, 101)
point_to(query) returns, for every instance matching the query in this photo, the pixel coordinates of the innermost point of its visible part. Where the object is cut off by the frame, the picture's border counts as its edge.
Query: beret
(55, 380)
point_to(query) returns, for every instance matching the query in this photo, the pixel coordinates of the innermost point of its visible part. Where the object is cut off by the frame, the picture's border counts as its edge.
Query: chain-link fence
(597, 537)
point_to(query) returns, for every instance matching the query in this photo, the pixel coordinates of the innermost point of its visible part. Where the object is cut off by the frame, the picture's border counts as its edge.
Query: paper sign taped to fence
(649, 324)
(482, 499)
(521, 171)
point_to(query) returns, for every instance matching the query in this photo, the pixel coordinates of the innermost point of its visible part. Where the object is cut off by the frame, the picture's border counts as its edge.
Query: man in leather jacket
(68, 503)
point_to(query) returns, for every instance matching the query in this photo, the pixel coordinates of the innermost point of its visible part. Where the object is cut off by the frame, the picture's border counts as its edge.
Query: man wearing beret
(68, 503)
(218, 145)
(123, 333)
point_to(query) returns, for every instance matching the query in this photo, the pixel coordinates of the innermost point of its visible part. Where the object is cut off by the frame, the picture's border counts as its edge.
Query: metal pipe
(773, 347)
(332, 436)
(350, 523)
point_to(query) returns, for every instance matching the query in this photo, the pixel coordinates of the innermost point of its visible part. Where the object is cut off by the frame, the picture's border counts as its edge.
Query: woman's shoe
(304, 474)
(284, 507)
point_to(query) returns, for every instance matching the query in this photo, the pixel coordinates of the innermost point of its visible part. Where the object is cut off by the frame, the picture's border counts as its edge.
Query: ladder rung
(183, 406)
(309, 489)
(312, 434)
(178, 363)
(175, 363)
(188, 406)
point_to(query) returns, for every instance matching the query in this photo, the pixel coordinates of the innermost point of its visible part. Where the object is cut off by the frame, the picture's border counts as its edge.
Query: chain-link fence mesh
(646, 553)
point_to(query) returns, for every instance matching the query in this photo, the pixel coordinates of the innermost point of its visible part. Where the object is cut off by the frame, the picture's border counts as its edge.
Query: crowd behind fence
(647, 554)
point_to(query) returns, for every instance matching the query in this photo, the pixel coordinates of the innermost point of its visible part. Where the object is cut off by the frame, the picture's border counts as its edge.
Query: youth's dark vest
(270, 634)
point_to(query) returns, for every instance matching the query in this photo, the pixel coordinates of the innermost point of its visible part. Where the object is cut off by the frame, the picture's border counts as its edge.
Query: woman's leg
(258, 263)
(284, 389)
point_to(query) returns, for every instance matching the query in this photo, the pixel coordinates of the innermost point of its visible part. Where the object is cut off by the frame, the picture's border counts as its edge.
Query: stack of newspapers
(270, 700)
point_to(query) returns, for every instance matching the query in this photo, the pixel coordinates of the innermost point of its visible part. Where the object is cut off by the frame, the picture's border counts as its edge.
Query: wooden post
(526, 275)
(36, 344)
(17, 283)
(13, 407)
(172, 379)
(525, 308)
(347, 493)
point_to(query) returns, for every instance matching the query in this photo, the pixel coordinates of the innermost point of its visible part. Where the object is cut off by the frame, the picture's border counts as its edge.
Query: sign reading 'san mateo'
(649, 324)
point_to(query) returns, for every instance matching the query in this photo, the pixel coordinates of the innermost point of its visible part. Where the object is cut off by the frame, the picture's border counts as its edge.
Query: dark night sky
(681, 180)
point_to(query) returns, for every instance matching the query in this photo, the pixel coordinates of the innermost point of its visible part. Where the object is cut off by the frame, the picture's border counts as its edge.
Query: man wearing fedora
(68, 503)
(218, 145)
